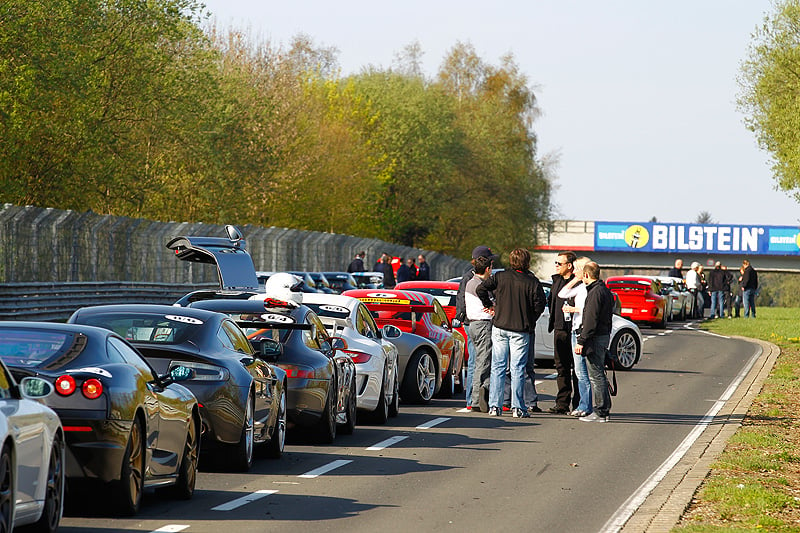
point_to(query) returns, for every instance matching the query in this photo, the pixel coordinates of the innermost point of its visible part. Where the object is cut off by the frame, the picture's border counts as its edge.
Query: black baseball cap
(483, 251)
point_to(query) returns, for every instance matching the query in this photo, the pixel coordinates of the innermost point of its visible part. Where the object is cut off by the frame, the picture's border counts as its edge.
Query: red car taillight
(358, 357)
(92, 388)
(65, 385)
(296, 371)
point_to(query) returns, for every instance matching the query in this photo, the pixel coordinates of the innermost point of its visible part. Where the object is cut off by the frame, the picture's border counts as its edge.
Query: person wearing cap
(482, 333)
(695, 287)
(519, 301)
(716, 285)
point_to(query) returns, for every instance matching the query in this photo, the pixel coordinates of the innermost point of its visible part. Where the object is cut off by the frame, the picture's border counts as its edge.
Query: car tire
(6, 490)
(326, 427)
(448, 389)
(349, 425)
(54, 491)
(187, 475)
(419, 382)
(277, 441)
(682, 315)
(663, 323)
(381, 413)
(128, 497)
(394, 405)
(625, 349)
(242, 458)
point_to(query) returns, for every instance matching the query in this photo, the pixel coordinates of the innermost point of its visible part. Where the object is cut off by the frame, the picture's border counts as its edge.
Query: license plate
(627, 310)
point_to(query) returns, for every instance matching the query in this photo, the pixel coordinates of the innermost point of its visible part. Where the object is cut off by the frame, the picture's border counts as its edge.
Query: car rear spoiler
(421, 308)
(235, 267)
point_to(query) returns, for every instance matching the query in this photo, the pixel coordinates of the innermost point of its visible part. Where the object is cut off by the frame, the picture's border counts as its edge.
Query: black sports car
(125, 424)
(242, 396)
(322, 386)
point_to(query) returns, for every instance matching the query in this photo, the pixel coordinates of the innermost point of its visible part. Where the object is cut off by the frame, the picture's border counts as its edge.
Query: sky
(637, 98)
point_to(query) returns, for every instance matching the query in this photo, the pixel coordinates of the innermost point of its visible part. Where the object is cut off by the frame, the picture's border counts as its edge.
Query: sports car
(124, 423)
(368, 280)
(375, 357)
(641, 299)
(340, 281)
(321, 385)
(421, 314)
(241, 396)
(676, 300)
(445, 292)
(31, 452)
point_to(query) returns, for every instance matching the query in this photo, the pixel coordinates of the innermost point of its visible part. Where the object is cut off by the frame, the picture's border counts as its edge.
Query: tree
(770, 97)
(704, 218)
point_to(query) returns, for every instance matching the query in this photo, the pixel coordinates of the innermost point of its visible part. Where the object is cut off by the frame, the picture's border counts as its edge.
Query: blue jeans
(508, 347)
(749, 302)
(582, 373)
(480, 335)
(717, 301)
(470, 366)
(596, 362)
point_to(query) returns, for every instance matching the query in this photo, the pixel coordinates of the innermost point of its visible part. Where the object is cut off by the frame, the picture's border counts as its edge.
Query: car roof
(411, 285)
(91, 331)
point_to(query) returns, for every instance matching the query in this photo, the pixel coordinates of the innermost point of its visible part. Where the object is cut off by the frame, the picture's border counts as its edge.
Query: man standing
(594, 337)
(677, 270)
(407, 271)
(423, 269)
(694, 285)
(480, 333)
(561, 326)
(519, 300)
(749, 285)
(388, 271)
(357, 264)
(716, 285)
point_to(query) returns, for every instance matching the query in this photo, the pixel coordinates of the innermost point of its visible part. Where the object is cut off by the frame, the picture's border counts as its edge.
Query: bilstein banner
(696, 238)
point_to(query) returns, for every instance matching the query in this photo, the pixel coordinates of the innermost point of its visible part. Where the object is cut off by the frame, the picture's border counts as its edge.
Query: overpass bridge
(651, 248)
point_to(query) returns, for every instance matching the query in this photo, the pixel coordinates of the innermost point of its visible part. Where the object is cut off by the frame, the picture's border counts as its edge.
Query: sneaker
(594, 417)
(558, 410)
(475, 409)
(494, 411)
(519, 413)
(578, 413)
(534, 409)
(469, 408)
(483, 399)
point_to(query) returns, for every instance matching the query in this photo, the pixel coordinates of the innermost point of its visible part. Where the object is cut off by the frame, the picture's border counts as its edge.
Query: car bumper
(95, 446)
(305, 400)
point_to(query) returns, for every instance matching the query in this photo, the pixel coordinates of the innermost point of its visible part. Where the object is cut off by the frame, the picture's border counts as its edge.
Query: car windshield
(149, 329)
(30, 347)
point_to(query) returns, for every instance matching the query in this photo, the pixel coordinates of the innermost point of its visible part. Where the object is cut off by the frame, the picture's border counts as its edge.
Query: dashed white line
(172, 528)
(325, 468)
(434, 422)
(244, 500)
(388, 442)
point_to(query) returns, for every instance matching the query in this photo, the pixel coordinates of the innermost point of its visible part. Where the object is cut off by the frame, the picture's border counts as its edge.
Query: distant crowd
(412, 269)
(726, 298)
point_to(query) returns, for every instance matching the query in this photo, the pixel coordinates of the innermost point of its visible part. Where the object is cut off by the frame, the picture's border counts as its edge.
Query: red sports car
(420, 314)
(445, 292)
(640, 299)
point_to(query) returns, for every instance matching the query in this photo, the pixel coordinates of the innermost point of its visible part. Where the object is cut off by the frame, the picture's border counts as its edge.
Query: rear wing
(406, 308)
(235, 267)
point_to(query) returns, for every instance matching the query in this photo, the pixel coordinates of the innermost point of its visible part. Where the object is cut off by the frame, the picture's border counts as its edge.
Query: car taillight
(358, 357)
(299, 372)
(65, 385)
(92, 388)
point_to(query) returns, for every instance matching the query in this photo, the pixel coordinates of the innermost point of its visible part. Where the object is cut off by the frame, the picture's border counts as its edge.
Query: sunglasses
(561, 264)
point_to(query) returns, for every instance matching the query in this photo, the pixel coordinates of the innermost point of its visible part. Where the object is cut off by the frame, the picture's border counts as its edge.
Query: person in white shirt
(695, 286)
(480, 332)
(577, 290)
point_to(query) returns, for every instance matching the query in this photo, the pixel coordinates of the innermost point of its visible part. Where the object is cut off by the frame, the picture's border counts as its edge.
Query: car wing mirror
(270, 349)
(455, 323)
(390, 331)
(176, 375)
(35, 388)
(338, 343)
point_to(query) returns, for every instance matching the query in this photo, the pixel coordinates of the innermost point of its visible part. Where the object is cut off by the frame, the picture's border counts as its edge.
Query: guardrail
(54, 301)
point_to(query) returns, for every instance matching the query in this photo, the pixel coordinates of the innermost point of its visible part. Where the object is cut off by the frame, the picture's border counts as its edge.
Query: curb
(665, 505)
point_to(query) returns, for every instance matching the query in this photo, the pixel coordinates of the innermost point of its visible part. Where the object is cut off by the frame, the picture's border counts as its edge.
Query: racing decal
(637, 236)
(381, 295)
(91, 370)
(334, 308)
(275, 317)
(184, 319)
(451, 292)
(385, 301)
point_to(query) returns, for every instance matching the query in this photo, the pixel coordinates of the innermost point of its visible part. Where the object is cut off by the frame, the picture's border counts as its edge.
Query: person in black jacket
(749, 285)
(594, 337)
(519, 301)
(357, 264)
(561, 326)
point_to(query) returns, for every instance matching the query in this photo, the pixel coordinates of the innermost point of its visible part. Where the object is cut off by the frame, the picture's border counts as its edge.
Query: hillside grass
(755, 483)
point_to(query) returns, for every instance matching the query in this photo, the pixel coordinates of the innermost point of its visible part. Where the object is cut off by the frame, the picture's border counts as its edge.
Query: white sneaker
(594, 417)
(577, 413)
(520, 413)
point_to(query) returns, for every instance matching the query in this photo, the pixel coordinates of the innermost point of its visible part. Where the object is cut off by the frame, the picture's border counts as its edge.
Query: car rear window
(30, 348)
(149, 329)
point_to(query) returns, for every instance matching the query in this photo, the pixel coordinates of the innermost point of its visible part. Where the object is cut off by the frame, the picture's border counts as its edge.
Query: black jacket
(461, 304)
(356, 265)
(749, 278)
(424, 272)
(716, 280)
(597, 312)
(556, 313)
(519, 299)
(675, 273)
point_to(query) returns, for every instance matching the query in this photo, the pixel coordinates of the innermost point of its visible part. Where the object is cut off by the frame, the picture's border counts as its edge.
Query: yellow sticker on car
(385, 301)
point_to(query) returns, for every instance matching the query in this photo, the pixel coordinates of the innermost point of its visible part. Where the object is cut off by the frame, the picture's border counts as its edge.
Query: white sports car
(376, 359)
(31, 456)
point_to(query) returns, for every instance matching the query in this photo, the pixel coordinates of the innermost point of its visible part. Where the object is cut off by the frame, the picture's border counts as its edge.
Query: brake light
(65, 385)
(80, 429)
(358, 357)
(298, 372)
(92, 388)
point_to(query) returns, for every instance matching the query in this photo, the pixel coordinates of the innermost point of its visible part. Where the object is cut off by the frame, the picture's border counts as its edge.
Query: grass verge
(755, 483)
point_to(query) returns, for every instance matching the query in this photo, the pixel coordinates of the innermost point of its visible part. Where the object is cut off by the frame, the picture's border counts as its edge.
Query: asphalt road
(439, 468)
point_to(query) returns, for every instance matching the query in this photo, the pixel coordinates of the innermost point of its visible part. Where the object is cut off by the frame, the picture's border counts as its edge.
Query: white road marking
(244, 500)
(172, 528)
(434, 422)
(388, 442)
(325, 468)
(623, 514)
(464, 410)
